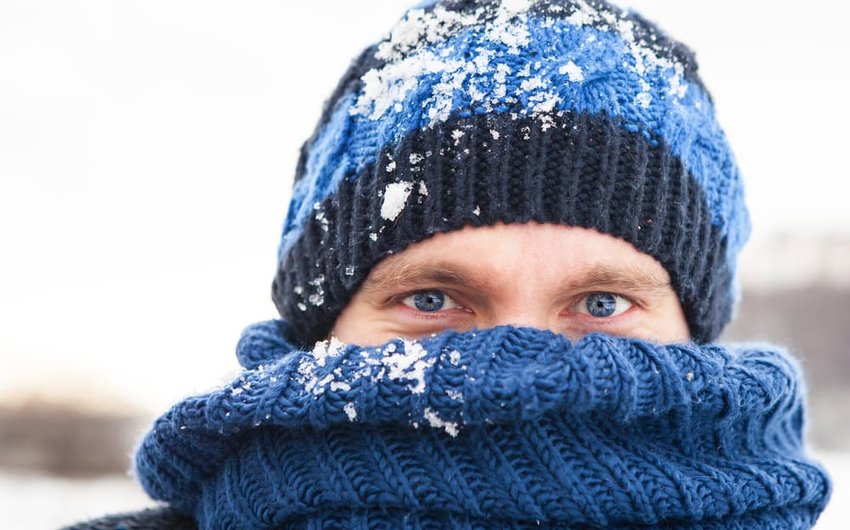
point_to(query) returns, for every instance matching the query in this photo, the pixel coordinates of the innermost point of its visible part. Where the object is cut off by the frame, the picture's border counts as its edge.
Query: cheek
(667, 326)
(660, 335)
(356, 326)
(677, 331)
(361, 324)
(372, 327)
(662, 323)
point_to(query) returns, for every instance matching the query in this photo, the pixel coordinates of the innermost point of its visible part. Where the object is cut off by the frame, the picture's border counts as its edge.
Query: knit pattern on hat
(500, 428)
(568, 112)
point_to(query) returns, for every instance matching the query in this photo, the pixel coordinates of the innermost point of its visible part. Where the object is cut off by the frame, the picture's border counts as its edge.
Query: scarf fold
(499, 428)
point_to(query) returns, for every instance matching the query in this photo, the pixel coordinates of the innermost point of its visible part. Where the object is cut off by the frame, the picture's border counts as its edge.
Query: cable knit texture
(500, 428)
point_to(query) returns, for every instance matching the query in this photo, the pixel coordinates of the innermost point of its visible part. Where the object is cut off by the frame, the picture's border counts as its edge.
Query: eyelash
(581, 302)
(427, 314)
(581, 306)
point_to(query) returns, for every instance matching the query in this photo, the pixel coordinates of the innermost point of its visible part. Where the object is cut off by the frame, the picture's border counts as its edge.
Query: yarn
(478, 112)
(501, 428)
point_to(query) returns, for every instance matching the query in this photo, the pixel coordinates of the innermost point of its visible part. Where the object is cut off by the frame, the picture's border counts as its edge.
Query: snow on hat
(477, 112)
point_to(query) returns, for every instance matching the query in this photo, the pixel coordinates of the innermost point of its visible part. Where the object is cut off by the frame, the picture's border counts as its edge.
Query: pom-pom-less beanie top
(500, 428)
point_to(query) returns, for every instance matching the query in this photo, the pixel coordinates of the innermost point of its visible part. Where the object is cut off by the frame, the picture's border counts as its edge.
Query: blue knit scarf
(500, 428)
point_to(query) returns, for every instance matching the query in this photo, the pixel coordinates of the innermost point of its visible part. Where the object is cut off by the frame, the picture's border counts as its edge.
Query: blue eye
(603, 305)
(429, 301)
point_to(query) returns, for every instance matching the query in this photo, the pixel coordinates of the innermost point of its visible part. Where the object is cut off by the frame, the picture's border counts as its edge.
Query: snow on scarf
(500, 428)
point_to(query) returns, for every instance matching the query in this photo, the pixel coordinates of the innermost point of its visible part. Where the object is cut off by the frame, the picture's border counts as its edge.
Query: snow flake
(318, 358)
(323, 221)
(544, 102)
(325, 349)
(438, 423)
(583, 15)
(530, 84)
(350, 411)
(317, 298)
(502, 71)
(513, 36)
(410, 364)
(420, 28)
(573, 71)
(340, 385)
(395, 197)
(476, 94)
(418, 48)
(455, 395)
(516, 6)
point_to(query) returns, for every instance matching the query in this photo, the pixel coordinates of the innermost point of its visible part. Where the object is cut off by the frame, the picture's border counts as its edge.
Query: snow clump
(395, 197)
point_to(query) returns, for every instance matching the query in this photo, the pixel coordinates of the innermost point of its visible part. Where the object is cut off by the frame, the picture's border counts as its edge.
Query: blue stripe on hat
(659, 104)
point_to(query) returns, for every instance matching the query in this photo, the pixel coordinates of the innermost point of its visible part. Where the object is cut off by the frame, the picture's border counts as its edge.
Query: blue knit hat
(478, 112)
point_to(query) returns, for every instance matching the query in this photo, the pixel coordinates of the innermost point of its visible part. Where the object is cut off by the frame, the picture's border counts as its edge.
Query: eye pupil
(429, 301)
(601, 304)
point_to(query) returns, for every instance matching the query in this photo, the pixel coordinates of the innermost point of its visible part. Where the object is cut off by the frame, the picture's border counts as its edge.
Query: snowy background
(146, 156)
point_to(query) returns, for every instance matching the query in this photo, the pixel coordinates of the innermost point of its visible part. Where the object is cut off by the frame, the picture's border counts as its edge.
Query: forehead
(507, 252)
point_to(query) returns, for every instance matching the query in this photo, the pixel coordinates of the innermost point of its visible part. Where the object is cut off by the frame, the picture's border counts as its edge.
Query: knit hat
(478, 112)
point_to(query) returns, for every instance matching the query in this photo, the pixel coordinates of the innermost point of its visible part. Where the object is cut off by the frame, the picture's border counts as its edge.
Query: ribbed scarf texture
(500, 428)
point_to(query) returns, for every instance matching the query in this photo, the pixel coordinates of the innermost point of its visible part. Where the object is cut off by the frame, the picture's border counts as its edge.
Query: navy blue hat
(478, 112)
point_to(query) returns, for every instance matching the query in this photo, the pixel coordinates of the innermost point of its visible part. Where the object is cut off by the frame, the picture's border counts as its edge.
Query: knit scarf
(500, 428)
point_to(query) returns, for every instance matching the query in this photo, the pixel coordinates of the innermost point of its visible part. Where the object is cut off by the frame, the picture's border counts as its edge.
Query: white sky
(147, 150)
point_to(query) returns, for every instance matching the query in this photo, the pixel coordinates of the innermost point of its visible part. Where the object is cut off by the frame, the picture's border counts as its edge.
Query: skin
(535, 275)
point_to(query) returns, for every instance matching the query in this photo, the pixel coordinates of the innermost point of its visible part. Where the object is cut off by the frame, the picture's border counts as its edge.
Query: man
(511, 243)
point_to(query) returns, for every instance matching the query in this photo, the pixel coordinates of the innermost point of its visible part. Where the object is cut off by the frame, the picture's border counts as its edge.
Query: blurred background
(147, 150)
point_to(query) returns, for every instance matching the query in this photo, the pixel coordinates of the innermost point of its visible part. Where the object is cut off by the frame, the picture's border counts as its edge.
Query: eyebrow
(403, 272)
(627, 278)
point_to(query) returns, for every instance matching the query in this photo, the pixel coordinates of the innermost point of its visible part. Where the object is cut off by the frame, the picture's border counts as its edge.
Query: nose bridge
(522, 320)
(523, 299)
(523, 310)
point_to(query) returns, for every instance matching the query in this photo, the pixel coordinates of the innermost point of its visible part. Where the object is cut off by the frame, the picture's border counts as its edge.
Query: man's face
(566, 279)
